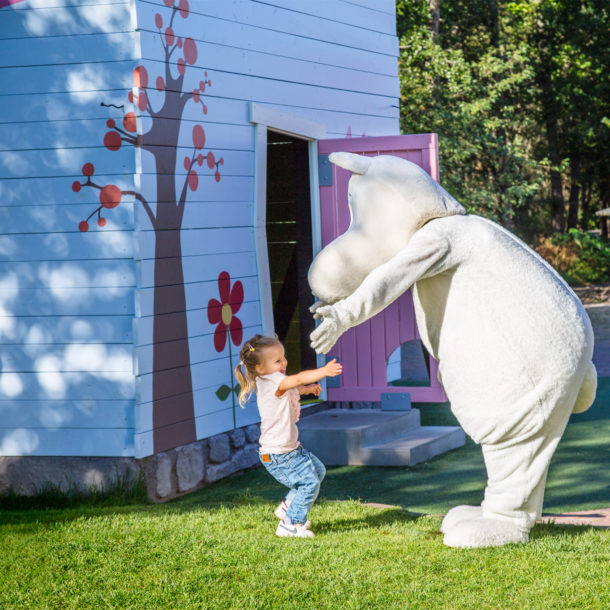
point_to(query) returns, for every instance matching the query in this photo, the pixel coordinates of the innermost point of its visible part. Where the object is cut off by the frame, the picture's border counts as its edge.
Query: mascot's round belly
(506, 329)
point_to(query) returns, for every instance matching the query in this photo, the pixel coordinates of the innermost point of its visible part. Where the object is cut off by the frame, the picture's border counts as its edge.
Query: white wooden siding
(331, 62)
(66, 298)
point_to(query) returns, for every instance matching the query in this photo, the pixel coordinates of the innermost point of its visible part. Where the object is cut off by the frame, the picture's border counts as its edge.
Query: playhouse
(164, 186)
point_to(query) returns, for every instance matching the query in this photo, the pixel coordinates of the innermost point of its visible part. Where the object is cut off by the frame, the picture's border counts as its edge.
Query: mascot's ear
(354, 163)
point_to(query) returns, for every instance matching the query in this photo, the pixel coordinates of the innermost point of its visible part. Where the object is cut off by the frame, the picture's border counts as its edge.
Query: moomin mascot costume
(513, 342)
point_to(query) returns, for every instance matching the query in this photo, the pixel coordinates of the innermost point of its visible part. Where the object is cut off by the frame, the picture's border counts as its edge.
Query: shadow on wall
(30, 475)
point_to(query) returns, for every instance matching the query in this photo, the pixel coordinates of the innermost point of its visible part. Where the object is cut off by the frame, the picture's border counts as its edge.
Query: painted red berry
(140, 77)
(112, 140)
(142, 101)
(110, 196)
(198, 137)
(190, 51)
(83, 226)
(193, 180)
(129, 122)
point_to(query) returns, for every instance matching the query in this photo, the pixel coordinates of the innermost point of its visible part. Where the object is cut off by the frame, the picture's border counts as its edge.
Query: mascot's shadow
(542, 531)
(387, 517)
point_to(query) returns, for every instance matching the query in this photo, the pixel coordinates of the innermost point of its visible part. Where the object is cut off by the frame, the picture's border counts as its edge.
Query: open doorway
(289, 245)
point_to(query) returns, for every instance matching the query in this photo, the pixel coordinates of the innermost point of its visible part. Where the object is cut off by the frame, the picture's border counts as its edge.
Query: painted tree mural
(173, 407)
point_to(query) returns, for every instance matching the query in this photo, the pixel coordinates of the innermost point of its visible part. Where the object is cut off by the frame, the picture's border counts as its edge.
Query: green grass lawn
(216, 548)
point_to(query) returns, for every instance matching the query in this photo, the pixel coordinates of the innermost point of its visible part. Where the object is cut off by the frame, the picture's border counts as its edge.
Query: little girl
(277, 396)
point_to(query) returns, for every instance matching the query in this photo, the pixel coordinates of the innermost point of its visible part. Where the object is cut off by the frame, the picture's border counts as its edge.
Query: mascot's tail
(586, 395)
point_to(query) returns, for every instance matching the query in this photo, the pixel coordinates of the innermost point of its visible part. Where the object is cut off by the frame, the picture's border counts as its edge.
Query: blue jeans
(302, 472)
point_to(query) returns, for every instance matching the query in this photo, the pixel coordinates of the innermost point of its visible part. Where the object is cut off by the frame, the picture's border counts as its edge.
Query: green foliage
(516, 91)
(581, 257)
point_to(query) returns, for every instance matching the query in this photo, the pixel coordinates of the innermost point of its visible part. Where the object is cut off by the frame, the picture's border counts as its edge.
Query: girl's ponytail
(247, 384)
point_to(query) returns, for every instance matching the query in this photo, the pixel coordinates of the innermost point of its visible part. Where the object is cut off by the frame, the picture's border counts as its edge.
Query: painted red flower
(223, 312)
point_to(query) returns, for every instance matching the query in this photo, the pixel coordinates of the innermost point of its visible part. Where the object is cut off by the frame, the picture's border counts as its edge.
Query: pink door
(365, 349)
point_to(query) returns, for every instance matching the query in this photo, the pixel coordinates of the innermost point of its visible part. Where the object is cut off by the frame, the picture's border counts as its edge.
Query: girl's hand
(333, 368)
(312, 388)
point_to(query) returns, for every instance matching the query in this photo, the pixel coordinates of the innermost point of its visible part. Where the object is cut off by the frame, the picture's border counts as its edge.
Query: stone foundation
(182, 470)
(167, 475)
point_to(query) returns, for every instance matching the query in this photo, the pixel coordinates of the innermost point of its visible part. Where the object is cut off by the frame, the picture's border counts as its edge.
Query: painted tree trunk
(173, 408)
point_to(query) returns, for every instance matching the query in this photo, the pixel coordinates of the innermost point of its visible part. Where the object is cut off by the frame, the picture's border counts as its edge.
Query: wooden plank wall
(331, 61)
(66, 297)
(68, 300)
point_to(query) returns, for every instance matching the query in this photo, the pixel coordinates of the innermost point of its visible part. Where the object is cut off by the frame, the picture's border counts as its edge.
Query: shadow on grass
(578, 479)
(542, 531)
(378, 520)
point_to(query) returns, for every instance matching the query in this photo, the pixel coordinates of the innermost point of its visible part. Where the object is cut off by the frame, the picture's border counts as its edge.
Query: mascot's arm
(427, 254)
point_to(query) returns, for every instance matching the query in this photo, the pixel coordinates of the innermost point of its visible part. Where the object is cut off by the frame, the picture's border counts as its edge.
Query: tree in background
(518, 92)
(173, 408)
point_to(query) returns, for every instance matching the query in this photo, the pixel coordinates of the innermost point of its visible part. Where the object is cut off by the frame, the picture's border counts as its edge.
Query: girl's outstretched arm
(330, 369)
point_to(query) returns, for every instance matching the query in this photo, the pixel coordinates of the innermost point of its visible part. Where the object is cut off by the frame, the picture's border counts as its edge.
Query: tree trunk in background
(585, 198)
(435, 16)
(604, 196)
(552, 138)
(495, 24)
(574, 191)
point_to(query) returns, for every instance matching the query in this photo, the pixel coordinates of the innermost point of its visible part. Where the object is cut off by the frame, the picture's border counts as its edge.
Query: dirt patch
(595, 518)
(592, 295)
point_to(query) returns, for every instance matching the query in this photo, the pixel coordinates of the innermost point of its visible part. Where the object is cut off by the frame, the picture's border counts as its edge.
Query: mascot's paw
(329, 331)
(475, 533)
(460, 513)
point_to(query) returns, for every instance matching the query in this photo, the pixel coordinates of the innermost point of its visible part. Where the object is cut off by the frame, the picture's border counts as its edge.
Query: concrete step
(419, 445)
(374, 437)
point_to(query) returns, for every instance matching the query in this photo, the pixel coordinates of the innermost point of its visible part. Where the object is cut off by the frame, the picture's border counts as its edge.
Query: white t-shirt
(279, 415)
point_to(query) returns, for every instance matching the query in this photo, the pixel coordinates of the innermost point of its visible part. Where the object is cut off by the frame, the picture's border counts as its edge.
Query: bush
(580, 257)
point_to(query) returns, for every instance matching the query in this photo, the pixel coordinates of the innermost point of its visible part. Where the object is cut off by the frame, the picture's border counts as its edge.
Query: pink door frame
(365, 349)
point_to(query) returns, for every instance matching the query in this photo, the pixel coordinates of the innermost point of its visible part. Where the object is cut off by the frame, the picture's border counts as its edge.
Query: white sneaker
(280, 513)
(292, 530)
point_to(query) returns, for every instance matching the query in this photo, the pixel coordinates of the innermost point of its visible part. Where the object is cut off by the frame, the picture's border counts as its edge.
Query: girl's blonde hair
(251, 355)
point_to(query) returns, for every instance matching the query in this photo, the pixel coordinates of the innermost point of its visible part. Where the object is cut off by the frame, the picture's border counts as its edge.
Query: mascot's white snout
(389, 199)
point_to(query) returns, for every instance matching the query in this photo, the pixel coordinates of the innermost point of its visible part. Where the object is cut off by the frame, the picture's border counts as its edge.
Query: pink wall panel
(364, 350)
